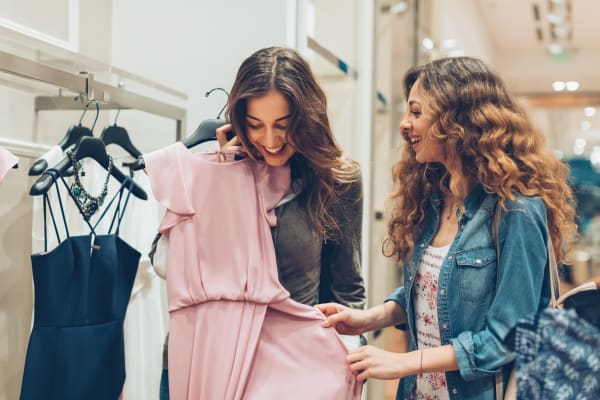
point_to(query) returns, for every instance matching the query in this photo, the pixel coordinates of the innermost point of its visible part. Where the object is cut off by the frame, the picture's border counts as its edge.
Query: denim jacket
(479, 305)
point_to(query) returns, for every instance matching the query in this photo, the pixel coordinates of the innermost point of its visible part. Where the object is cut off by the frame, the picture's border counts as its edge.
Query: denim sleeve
(522, 289)
(399, 297)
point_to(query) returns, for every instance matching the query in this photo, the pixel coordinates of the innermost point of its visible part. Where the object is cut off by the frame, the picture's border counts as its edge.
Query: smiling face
(415, 129)
(267, 119)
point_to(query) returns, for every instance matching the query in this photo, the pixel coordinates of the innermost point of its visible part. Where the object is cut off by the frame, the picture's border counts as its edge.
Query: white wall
(191, 46)
(459, 20)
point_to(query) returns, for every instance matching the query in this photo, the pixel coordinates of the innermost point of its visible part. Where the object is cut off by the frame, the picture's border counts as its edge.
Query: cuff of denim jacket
(398, 297)
(464, 351)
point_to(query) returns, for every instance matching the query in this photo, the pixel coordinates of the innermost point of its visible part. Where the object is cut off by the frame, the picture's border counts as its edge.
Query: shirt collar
(474, 200)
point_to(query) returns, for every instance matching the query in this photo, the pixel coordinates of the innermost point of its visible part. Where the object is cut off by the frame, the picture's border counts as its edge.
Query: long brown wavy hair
(318, 161)
(490, 140)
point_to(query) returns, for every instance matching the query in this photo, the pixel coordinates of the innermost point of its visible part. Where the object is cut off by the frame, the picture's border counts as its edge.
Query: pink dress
(234, 331)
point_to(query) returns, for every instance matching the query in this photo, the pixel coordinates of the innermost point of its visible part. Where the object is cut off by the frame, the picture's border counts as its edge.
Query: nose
(404, 124)
(273, 137)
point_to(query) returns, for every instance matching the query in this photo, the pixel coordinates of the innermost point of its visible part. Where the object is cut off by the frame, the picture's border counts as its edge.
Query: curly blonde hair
(483, 130)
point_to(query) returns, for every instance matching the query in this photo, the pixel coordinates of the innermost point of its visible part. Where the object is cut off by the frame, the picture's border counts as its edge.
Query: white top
(7, 161)
(429, 385)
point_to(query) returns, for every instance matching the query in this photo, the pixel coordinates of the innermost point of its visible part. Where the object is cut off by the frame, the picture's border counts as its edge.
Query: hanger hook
(87, 104)
(85, 107)
(223, 90)
(117, 116)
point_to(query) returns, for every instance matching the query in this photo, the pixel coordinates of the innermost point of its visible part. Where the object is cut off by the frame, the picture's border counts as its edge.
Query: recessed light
(572, 86)
(558, 86)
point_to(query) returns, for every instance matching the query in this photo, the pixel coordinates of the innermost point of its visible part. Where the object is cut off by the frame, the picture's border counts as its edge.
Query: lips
(414, 141)
(274, 150)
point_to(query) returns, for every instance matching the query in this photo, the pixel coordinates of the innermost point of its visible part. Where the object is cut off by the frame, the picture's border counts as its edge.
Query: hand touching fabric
(345, 320)
(372, 362)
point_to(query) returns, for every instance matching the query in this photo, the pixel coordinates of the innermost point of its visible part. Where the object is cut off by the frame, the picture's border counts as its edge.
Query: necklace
(457, 208)
(88, 203)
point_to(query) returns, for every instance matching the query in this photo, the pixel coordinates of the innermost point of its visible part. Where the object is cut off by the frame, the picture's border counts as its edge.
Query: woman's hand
(224, 144)
(346, 320)
(372, 362)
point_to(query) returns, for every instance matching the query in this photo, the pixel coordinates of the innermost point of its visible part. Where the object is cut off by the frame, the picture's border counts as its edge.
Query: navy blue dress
(82, 288)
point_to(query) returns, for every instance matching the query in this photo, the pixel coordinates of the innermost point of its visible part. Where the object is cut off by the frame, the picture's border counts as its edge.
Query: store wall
(192, 47)
(460, 22)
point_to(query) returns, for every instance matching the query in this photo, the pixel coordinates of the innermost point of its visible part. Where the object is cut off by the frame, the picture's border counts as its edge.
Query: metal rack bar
(109, 97)
(25, 68)
(332, 58)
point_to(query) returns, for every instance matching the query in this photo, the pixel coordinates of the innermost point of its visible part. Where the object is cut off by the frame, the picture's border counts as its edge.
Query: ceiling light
(585, 126)
(399, 7)
(554, 18)
(572, 86)
(555, 48)
(558, 86)
(589, 111)
(427, 44)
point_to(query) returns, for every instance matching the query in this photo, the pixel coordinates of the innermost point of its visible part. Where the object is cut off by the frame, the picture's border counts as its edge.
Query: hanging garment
(52, 157)
(82, 288)
(235, 333)
(7, 161)
(144, 327)
(558, 357)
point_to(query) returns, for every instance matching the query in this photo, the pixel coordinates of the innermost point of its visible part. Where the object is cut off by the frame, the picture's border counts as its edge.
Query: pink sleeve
(167, 176)
(7, 161)
(273, 184)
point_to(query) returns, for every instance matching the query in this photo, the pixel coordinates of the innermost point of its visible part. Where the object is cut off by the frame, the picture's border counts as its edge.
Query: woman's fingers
(333, 319)
(221, 134)
(328, 308)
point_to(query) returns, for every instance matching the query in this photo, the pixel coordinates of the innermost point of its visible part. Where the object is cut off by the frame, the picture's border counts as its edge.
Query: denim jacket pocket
(476, 273)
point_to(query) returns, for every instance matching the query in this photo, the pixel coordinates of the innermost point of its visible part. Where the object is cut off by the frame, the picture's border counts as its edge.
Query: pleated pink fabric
(234, 331)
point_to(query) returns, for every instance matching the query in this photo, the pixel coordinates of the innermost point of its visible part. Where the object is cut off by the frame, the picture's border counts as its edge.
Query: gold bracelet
(421, 364)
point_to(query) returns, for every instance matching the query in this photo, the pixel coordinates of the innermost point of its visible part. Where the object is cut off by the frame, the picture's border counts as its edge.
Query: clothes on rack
(82, 288)
(7, 161)
(52, 157)
(144, 324)
(144, 327)
(224, 291)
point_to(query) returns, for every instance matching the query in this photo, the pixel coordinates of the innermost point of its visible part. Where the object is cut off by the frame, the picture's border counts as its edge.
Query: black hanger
(205, 132)
(74, 133)
(114, 134)
(87, 147)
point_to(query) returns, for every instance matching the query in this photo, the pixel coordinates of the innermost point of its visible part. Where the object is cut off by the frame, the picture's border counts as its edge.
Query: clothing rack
(108, 97)
(332, 58)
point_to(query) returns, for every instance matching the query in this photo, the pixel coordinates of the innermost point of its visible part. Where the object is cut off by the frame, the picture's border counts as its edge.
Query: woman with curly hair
(469, 149)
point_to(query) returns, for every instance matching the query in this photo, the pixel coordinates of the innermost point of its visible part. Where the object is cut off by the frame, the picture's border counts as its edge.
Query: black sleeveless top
(82, 288)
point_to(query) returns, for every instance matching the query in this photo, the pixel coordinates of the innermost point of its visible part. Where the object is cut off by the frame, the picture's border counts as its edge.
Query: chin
(276, 161)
